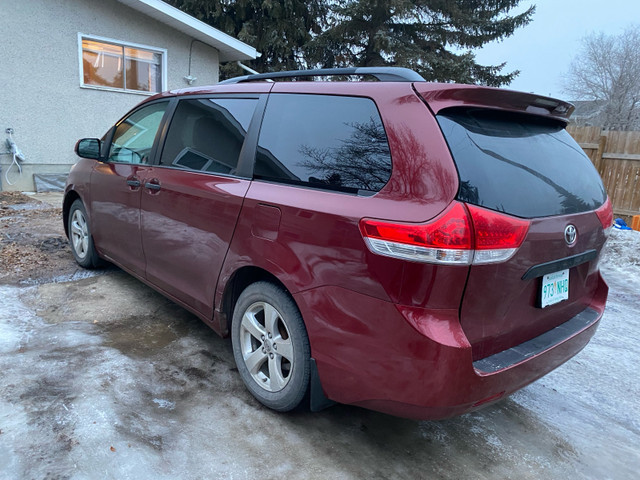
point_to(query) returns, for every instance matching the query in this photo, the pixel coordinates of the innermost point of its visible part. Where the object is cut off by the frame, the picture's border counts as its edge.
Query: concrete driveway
(101, 377)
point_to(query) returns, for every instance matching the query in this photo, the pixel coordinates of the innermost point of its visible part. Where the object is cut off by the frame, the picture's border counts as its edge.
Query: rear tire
(271, 346)
(80, 238)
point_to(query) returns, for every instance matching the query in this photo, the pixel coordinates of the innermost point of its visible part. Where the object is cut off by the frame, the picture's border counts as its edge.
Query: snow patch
(72, 277)
(14, 320)
(164, 403)
(622, 250)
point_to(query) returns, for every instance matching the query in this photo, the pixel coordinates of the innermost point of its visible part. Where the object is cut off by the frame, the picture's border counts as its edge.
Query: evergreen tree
(433, 37)
(277, 29)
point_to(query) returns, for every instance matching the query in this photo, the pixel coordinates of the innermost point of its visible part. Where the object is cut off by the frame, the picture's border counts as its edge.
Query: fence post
(602, 145)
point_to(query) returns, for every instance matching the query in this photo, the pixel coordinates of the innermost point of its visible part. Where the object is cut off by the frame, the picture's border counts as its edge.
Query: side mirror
(88, 148)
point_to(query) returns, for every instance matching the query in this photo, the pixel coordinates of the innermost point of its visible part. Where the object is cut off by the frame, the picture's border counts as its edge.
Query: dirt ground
(33, 246)
(104, 378)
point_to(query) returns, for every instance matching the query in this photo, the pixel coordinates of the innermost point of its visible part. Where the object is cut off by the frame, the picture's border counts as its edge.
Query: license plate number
(554, 288)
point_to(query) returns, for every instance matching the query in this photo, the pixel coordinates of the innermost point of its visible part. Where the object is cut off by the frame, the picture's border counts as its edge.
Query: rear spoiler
(441, 96)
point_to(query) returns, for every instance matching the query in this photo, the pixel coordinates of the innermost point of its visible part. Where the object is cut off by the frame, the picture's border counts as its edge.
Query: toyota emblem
(570, 235)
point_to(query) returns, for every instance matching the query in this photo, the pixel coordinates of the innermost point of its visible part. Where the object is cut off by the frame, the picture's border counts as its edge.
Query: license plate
(554, 288)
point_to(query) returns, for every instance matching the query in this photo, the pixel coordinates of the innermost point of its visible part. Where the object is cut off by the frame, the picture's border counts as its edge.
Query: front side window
(120, 66)
(322, 141)
(207, 134)
(134, 136)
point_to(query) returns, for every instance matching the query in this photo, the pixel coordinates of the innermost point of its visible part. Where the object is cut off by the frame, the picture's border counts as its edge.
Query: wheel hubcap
(266, 346)
(79, 234)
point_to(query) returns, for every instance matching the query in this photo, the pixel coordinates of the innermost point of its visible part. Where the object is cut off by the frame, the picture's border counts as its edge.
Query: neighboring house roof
(230, 48)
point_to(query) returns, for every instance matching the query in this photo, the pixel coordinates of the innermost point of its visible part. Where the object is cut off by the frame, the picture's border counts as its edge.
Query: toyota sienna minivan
(415, 248)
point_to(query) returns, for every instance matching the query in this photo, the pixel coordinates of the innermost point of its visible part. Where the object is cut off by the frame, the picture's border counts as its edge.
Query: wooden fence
(616, 156)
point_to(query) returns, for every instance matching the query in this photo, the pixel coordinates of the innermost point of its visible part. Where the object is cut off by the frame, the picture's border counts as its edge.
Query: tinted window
(207, 134)
(323, 141)
(520, 164)
(133, 138)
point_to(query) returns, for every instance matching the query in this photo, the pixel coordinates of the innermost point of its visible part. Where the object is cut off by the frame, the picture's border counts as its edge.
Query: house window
(112, 65)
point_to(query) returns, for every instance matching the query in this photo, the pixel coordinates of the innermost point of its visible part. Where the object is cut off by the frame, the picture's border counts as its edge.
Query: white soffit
(230, 48)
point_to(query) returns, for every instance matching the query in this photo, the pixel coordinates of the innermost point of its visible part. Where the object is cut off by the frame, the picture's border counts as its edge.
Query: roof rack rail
(383, 74)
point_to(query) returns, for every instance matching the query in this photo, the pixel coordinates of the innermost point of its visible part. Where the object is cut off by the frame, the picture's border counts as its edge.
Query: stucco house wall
(40, 94)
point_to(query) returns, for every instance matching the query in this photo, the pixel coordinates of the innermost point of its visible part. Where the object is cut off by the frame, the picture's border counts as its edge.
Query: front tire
(271, 346)
(80, 238)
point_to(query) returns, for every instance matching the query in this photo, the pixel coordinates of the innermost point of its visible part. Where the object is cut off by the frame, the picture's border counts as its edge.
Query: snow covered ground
(101, 377)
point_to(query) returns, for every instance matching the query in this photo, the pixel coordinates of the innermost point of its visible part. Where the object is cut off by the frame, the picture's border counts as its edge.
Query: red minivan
(415, 248)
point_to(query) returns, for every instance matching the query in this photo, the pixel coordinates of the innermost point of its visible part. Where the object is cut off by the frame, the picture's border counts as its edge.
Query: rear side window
(207, 134)
(520, 164)
(330, 142)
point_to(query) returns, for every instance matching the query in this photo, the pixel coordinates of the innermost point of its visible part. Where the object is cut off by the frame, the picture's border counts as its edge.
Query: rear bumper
(417, 363)
(536, 346)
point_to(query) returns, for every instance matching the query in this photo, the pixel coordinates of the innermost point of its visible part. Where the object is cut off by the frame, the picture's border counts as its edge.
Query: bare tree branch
(607, 72)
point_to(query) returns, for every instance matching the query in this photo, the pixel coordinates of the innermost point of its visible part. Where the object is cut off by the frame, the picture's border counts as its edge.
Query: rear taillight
(461, 235)
(497, 236)
(605, 214)
(446, 239)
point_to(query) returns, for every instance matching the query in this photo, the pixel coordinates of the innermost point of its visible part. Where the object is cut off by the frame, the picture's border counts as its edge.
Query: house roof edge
(230, 48)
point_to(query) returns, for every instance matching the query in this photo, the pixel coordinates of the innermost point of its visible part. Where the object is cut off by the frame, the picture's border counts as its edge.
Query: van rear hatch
(527, 167)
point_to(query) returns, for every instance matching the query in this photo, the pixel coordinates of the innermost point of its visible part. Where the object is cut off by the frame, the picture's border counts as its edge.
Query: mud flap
(318, 400)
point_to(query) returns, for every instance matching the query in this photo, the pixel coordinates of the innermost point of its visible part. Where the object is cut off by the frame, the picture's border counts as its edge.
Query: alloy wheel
(266, 346)
(79, 234)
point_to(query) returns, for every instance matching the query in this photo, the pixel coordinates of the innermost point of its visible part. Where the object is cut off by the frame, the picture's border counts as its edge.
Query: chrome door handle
(133, 183)
(152, 186)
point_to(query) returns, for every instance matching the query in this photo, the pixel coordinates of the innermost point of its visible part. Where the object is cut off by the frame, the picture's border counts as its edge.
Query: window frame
(163, 64)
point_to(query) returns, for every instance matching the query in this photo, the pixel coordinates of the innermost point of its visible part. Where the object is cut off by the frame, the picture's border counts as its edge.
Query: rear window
(519, 164)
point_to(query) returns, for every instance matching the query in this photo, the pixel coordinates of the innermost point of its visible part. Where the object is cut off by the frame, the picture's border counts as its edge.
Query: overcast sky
(543, 50)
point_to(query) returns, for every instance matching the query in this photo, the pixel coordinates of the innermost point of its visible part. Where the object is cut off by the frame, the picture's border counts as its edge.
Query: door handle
(152, 185)
(133, 183)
